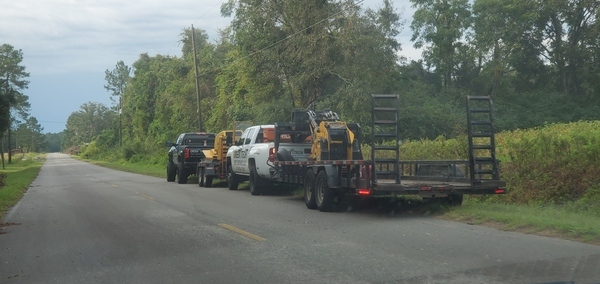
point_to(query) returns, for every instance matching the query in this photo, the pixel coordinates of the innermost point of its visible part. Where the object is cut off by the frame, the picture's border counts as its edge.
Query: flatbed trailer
(386, 175)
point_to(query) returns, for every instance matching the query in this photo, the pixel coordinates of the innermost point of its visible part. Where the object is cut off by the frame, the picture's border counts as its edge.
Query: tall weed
(552, 164)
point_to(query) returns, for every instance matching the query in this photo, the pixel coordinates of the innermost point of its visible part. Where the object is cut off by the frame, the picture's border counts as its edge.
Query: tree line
(18, 129)
(537, 59)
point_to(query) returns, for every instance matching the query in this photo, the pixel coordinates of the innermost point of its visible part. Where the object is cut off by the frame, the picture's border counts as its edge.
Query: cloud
(82, 35)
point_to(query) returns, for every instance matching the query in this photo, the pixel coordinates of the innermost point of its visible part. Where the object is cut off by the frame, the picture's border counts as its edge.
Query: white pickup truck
(252, 157)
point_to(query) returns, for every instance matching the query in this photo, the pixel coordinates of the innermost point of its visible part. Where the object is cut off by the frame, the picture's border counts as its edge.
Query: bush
(91, 150)
(556, 163)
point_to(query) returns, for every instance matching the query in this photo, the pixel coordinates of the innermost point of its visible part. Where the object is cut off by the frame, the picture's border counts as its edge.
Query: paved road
(80, 223)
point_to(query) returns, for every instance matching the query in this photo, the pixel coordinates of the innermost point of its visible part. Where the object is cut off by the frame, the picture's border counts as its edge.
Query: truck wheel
(323, 194)
(232, 179)
(256, 182)
(309, 190)
(181, 175)
(171, 172)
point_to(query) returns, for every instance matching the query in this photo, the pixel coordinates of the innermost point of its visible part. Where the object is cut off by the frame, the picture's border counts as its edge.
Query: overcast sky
(68, 44)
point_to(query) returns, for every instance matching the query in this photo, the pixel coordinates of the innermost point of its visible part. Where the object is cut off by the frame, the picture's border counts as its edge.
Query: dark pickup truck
(185, 154)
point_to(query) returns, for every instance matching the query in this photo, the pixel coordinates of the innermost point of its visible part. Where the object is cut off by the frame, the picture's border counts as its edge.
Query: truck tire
(181, 175)
(309, 190)
(232, 179)
(323, 194)
(257, 184)
(171, 172)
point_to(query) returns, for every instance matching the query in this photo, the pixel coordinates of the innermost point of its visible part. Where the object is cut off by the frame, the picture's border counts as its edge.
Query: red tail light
(363, 192)
(186, 153)
(271, 154)
(500, 191)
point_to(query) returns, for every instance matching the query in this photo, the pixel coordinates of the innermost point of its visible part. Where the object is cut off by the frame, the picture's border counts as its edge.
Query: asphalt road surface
(81, 223)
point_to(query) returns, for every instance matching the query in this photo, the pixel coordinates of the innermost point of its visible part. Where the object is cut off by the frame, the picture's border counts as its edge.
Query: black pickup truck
(185, 154)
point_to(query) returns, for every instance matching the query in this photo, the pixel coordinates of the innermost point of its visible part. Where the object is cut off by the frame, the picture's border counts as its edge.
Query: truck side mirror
(228, 140)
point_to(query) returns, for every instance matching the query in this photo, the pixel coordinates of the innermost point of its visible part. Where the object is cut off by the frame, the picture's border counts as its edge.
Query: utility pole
(120, 123)
(200, 127)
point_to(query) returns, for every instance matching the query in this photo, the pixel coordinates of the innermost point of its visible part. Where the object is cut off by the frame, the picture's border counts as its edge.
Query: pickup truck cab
(185, 154)
(252, 157)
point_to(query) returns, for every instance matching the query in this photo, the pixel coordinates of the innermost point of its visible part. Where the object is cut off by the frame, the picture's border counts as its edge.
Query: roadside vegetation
(16, 178)
(552, 174)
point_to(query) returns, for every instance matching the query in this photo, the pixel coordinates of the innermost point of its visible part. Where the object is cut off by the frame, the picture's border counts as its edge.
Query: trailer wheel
(232, 179)
(200, 174)
(454, 199)
(181, 175)
(171, 172)
(203, 180)
(256, 182)
(323, 194)
(208, 182)
(309, 190)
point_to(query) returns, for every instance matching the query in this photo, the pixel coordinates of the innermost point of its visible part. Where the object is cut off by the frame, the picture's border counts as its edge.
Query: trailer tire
(323, 194)
(256, 182)
(203, 180)
(200, 174)
(232, 179)
(285, 155)
(454, 199)
(309, 190)
(182, 176)
(171, 172)
(208, 182)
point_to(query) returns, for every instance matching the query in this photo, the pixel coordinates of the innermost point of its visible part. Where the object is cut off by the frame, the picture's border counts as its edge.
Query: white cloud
(82, 35)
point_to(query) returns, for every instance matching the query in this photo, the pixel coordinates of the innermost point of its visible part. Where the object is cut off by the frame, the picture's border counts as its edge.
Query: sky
(68, 45)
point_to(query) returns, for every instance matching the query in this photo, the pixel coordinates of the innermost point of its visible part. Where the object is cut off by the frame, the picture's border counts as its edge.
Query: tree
(12, 79)
(439, 26)
(87, 123)
(116, 82)
(503, 28)
(29, 135)
(571, 30)
(290, 54)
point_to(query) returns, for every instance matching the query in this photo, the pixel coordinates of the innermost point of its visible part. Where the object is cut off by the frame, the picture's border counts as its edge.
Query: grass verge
(19, 175)
(566, 221)
(150, 170)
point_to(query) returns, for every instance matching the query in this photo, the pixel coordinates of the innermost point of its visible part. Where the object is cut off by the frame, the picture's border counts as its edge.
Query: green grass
(150, 170)
(19, 175)
(569, 221)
